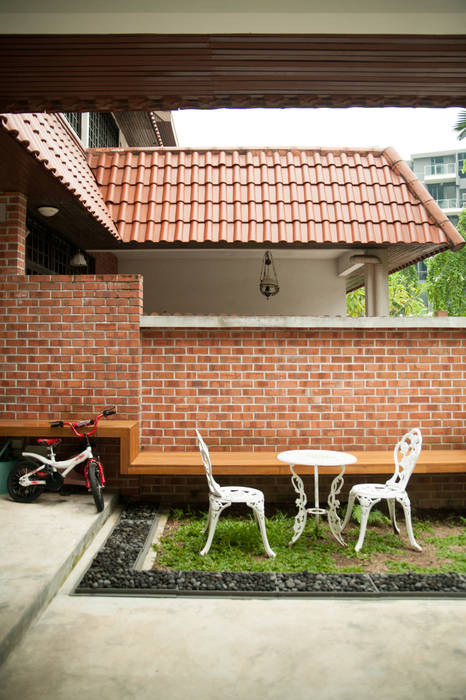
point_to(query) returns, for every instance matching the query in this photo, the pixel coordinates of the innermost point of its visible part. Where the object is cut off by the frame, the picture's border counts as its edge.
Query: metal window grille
(74, 119)
(103, 132)
(49, 253)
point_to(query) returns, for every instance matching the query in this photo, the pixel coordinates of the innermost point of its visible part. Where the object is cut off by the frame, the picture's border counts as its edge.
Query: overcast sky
(409, 130)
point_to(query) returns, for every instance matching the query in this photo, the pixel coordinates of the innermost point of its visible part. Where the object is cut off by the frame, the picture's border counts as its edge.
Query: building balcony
(451, 207)
(433, 173)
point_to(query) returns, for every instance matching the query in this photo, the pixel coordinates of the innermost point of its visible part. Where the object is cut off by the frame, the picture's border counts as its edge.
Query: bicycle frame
(64, 466)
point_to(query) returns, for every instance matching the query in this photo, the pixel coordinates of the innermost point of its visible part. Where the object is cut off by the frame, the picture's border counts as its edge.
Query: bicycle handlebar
(84, 423)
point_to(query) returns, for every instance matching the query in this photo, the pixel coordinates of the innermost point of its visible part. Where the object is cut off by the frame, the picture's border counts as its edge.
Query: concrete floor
(172, 648)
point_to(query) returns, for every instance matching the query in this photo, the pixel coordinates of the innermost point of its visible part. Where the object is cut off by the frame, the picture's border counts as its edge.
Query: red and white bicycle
(28, 479)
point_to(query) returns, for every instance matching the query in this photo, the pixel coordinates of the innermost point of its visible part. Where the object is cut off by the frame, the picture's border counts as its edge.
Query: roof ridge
(422, 193)
(379, 150)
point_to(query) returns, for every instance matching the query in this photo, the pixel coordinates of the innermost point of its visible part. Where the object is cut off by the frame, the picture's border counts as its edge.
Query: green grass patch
(237, 546)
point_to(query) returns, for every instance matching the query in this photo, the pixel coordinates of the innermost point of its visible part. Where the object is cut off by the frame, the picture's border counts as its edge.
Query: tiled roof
(48, 140)
(340, 196)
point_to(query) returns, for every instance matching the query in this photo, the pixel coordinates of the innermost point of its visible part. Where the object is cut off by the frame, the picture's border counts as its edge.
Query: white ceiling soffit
(243, 16)
(278, 254)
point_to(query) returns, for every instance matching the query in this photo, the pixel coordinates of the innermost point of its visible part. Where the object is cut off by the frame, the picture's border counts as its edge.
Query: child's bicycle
(28, 479)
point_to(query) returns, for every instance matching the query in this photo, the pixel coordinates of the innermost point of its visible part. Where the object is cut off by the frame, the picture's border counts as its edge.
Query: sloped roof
(269, 196)
(48, 140)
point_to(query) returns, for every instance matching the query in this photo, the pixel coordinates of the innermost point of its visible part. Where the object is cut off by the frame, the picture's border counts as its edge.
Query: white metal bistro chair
(405, 455)
(221, 497)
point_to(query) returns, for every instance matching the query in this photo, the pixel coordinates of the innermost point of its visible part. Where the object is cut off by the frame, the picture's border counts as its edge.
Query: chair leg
(349, 510)
(405, 502)
(216, 507)
(366, 505)
(258, 510)
(391, 511)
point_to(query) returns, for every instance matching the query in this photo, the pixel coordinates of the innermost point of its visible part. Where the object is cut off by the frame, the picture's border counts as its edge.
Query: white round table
(316, 459)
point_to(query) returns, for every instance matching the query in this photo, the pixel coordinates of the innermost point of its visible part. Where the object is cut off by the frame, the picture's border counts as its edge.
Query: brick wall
(425, 490)
(70, 345)
(277, 389)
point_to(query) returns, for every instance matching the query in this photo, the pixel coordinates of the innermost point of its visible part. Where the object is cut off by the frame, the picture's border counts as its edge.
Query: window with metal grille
(48, 253)
(75, 121)
(103, 132)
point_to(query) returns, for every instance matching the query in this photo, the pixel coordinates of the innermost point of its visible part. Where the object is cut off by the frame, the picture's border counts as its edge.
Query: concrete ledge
(213, 321)
(41, 544)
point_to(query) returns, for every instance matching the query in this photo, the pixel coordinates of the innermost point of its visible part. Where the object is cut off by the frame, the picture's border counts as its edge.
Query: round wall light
(48, 211)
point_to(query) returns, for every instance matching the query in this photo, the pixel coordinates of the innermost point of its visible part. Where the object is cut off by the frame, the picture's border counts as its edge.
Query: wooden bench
(266, 463)
(250, 463)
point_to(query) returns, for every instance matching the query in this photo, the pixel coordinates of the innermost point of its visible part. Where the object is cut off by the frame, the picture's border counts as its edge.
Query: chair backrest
(405, 455)
(214, 488)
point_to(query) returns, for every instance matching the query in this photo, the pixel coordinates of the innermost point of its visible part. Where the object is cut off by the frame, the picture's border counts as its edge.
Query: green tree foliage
(446, 278)
(355, 302)
(405, 295)
(460, 125)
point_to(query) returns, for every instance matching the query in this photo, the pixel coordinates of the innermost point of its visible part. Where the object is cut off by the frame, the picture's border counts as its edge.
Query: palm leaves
(460, 125)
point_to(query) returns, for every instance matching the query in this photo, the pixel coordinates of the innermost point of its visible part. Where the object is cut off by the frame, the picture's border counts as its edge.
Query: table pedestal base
(334, 521)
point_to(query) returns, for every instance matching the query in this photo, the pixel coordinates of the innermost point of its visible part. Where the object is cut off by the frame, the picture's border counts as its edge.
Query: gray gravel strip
(112, 572)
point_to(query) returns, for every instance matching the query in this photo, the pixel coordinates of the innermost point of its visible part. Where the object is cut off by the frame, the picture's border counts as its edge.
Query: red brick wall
(12, 233)
(70, 345)
(425, 490)
(277, 389)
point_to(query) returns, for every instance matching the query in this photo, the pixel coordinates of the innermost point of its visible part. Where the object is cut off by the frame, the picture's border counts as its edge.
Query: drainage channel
(119, 569)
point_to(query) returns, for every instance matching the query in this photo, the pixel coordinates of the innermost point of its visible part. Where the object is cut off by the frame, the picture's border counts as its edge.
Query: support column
(12, 233)
(376, 284)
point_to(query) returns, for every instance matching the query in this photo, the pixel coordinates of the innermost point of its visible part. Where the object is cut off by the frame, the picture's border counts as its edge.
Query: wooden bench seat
(266, 463)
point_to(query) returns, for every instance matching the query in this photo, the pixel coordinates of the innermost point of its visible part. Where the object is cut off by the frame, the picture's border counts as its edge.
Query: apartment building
(442, 174)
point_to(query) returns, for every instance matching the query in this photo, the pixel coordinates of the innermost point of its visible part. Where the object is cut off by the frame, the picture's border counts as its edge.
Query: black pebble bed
(112, 572)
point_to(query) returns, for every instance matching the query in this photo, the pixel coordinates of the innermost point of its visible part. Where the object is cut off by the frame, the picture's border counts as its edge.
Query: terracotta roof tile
(50, 142)
(338, 196)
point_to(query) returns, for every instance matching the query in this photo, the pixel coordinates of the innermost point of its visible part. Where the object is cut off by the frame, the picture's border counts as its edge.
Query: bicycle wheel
(23, 494)
(95, 481)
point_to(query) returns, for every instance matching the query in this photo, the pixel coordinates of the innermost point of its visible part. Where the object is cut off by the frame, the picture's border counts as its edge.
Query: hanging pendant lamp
(268, 284)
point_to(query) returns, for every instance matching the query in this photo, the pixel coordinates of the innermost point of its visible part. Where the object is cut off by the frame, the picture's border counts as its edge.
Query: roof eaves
(47, 155)
(456, 241)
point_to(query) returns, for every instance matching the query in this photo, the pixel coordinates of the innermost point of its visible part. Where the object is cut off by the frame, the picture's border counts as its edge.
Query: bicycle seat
(49, 441)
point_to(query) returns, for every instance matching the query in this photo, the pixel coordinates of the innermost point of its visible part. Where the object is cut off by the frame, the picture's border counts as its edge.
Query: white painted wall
(242, 16)
(224, 282)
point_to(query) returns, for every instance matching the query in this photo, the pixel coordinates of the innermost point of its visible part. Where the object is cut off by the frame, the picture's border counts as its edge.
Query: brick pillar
(105, 263)
(12, 233)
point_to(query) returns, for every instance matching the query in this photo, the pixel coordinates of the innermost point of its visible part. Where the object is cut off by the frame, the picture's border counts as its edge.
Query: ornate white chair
(405, 455)
(221, 497)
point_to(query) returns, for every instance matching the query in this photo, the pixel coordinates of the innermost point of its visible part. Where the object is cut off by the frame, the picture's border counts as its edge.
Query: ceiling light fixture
(48, 211)
(78, 260)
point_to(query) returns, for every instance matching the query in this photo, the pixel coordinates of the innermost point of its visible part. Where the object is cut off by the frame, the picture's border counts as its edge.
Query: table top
(320, 458)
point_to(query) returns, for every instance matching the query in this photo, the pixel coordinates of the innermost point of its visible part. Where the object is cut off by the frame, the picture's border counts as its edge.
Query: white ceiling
(242, 16)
